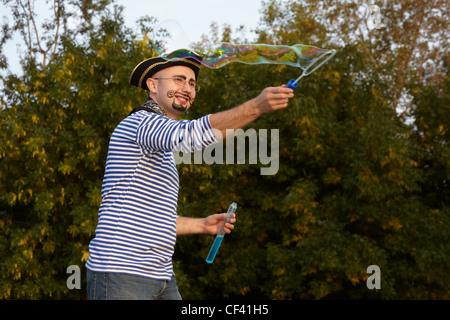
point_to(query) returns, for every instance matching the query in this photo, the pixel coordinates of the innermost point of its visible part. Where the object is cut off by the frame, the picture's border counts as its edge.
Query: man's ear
(151, 84)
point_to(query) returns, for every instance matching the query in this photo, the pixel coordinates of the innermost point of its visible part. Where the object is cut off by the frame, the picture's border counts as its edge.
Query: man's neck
(169, 113)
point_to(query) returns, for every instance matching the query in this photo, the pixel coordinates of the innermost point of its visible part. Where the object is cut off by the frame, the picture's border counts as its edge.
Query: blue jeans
(119, 286)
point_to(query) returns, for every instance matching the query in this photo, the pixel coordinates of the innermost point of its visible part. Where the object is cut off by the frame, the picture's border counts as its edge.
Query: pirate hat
(147, 68)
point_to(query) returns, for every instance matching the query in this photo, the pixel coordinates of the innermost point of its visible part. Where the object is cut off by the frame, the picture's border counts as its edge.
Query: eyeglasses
(179, 81)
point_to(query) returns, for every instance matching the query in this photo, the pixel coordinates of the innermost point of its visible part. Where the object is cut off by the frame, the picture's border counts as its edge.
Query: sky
(195, 16)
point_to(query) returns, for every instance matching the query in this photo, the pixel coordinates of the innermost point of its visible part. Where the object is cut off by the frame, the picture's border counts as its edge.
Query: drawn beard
(176, 106)
(179, 107)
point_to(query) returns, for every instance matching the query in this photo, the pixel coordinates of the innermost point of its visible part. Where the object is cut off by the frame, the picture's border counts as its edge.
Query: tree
(359, 183)
(351, 189)
(56, 121)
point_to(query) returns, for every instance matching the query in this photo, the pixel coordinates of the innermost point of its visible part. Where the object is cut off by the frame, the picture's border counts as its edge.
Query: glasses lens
(192, 85)
(179, 81)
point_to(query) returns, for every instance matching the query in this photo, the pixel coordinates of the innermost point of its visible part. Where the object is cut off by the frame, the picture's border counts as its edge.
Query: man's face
(172, 97)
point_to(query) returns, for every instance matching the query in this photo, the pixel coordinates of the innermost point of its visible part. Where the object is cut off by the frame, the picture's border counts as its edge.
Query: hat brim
(147, 68)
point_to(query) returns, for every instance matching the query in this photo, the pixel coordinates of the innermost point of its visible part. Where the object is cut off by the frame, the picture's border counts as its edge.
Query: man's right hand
(269, 100)
(272, 99)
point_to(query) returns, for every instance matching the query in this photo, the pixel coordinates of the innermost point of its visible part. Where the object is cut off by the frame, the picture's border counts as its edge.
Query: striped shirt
(136, 229)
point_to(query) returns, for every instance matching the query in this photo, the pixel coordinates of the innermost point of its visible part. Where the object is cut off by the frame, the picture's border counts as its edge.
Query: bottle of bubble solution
(217, 242)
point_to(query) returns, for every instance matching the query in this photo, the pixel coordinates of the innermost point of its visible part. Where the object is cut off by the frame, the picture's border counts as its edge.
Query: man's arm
(212, 224)
(269, 100)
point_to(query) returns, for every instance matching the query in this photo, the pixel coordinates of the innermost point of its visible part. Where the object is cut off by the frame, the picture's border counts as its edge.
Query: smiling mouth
(182, 98)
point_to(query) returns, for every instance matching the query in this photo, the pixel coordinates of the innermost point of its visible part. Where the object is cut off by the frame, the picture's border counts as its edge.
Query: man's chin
(179, 108)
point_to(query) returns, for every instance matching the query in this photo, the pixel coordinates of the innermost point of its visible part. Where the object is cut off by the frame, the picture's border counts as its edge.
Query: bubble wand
(216, 244)
(292, 84)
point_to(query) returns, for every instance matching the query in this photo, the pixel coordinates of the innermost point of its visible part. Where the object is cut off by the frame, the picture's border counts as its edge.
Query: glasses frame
(175, 78)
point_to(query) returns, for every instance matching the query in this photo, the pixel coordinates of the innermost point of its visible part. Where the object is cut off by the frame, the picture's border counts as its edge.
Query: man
(131, 254)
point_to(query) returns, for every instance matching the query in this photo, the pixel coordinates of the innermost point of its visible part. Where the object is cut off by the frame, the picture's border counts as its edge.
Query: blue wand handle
(215, 246)
(292, 84)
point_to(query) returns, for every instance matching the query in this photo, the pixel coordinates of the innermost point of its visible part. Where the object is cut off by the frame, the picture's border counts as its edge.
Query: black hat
(149, 67)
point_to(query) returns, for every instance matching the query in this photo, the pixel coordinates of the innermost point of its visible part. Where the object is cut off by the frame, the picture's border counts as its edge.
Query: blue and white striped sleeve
(161, 133)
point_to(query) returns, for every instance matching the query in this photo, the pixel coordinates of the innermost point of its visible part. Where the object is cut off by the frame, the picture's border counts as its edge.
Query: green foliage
(357, 185)
(56, 123)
